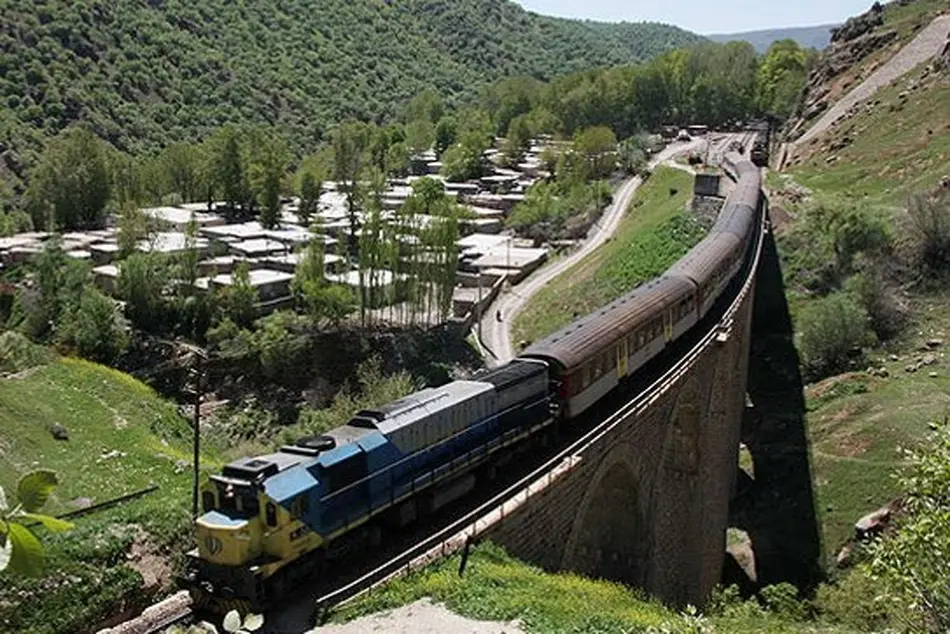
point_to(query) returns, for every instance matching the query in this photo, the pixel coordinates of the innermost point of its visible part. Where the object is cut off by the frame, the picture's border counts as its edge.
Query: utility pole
(478, 273)
(196, 372)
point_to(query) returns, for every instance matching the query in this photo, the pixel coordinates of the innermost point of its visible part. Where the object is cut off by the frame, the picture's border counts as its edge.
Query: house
(268, 283)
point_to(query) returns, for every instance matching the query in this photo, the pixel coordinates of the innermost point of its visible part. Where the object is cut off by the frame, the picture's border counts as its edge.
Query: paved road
(496, 336)
(928, 43)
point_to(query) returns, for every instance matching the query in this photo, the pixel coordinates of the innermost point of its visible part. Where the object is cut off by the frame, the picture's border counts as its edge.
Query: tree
(466, 159)
(518, 140)
(141, 284)
(445, 133)
(267, 170)
(425, 106)
(780, 77)
(60, 280)
(420, 135)
(597, 149)
(238, 300)
(94, 327)
(397, 159)
(71, 185)
(633, 154)
(912, 562)
(134, 227)
(310, 190)
(20, 550)
(181, 167)
(230, 173)
(349, 152)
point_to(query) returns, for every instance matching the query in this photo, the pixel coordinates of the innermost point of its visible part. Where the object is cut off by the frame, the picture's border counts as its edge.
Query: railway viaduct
(647, 502)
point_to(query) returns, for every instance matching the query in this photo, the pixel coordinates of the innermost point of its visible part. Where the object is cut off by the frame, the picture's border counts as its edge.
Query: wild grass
(497, 587)
(655, 231)
(858, 423)
(899, 147)
(122, 438)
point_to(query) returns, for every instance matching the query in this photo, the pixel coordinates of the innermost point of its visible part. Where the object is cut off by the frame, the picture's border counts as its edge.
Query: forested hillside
(147, 73)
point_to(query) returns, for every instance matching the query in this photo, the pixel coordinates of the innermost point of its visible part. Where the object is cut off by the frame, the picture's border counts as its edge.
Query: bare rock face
(857, 26)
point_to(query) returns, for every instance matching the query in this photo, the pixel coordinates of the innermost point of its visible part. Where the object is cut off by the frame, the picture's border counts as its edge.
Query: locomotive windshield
(236, 499)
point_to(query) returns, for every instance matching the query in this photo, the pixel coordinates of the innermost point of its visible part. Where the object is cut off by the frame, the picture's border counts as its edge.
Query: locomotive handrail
(634, 406)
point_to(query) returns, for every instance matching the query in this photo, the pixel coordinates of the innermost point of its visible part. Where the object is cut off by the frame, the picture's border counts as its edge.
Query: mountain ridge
(143, 74)
(817, 37)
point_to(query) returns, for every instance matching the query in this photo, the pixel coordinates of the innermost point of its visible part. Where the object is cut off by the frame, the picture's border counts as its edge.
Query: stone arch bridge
(647, 501)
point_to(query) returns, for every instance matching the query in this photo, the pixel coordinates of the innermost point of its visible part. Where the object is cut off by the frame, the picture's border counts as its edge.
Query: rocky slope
(861, 46)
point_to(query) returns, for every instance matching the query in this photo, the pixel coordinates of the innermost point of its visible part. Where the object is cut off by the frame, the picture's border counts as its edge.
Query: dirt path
(927, 44)
(421, 617)
(495, 335)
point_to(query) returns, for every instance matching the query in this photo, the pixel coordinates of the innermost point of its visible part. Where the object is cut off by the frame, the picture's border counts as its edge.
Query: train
(762, 143)
(269, 522)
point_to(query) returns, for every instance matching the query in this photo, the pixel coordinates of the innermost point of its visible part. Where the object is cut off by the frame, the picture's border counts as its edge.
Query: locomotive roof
(423, 403)
(585, 338)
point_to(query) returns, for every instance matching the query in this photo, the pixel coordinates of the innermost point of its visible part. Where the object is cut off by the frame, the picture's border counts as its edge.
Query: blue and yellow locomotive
(271, 520)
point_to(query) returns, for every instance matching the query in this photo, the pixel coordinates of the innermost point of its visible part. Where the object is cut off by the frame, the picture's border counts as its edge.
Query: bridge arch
(608, 538)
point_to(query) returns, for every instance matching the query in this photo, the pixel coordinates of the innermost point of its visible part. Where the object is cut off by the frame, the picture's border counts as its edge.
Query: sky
(707, 16)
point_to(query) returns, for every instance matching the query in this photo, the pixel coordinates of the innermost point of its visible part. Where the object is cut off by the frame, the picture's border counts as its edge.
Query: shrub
(928, 225)
(878, 296)
(18, 353)
(853, 601)
(832, 330)
(912, 563)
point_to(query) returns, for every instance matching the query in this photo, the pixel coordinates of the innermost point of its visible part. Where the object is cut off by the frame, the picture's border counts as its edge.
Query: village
(488, 255)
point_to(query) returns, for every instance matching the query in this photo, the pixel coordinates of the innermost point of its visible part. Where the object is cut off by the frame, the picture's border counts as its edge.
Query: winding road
(495, 336)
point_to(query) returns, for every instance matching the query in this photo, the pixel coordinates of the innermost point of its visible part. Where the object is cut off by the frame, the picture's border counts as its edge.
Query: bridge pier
(778, 509)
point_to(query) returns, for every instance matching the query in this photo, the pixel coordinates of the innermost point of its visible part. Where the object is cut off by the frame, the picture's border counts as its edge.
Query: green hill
(144, 74)
(122, 438)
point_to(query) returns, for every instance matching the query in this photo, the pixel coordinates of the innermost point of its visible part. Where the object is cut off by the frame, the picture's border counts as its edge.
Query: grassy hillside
(894, 146)
(147, 73)
(654, 233)
(122, 438)
(897, 146)
(816, 37)
(497, 587)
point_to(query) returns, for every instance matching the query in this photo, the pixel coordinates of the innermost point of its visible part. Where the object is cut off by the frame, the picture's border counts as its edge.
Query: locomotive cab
(229, 532)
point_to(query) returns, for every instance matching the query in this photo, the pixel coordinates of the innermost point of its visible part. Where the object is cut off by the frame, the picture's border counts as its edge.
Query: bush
(878, 297)
(853, 601)
(832, 330)
(18, 353)
(94, 328)
(912, 563)
(928, 224)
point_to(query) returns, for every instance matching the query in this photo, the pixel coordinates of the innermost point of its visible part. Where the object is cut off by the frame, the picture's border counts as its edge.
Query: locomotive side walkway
(495, 335)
